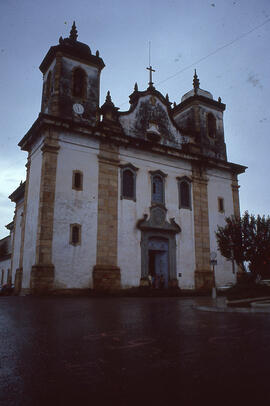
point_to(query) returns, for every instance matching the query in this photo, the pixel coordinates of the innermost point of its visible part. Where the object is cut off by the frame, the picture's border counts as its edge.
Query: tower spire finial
(73, 32)
(196, 82)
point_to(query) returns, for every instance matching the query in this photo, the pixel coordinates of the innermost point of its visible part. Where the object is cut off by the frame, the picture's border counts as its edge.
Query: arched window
(48, 85)
(184, 186)
(75, 234)
(128, 182)
(79, 83)
(211, 125)
(157, 180)
(77, 180)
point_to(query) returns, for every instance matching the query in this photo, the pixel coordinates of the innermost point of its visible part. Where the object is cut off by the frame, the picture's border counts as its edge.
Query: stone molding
(106, 274)
(235, 195)
(19, 271)
(43, 271)
(201, 228)
(158, 227)
(55, 97)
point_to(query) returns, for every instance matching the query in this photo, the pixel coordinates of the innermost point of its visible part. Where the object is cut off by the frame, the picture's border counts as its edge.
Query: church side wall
(129, 236)
(219, 186)
(74, 263)
(5, 266)
(31, 220)
(17, 238)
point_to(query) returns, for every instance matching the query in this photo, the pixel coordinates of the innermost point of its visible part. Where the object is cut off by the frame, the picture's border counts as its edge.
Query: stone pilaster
(42, 274)
(19, 271)
(55, 97)
(203, 273)
(236, 210)
(106, 274)
(235, 195)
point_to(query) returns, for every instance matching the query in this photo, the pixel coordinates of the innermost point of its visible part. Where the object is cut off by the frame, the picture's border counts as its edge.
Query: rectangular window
(75, 234)
(77, 180)
(221, 204)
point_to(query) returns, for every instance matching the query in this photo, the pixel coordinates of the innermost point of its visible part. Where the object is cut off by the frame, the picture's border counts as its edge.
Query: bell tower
(71, 80)
(201, 117)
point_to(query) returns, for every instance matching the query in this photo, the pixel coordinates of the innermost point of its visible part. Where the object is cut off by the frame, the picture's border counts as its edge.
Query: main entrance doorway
(158, 266)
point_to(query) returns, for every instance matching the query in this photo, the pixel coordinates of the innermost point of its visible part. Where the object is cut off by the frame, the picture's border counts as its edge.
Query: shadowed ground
(130, 351)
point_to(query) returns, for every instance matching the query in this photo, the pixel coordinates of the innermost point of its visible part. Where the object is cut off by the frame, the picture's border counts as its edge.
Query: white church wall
(219, 186)
(31, 221)
(17, 238)
(129, 237)
(74, 264)
(5, 266)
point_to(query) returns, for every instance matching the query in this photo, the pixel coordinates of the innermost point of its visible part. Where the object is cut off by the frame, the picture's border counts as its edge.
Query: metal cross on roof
(150, 74)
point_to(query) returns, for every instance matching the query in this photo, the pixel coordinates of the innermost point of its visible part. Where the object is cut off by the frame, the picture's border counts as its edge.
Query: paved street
(130, 351)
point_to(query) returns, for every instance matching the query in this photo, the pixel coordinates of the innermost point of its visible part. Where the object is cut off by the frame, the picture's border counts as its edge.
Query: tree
(246, 239)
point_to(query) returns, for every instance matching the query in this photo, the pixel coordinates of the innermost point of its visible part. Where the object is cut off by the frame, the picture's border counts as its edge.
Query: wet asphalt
(130, 351)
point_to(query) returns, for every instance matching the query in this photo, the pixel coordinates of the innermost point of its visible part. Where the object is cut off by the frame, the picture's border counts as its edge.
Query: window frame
(181, 180)
(221, 206)
(71, 234)
(162, 176)
(133, 170)
(74, 173)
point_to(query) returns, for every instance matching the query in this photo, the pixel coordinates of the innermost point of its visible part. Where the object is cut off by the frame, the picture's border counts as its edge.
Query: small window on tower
(221, 204)
(75, 234)
(211, 125)
(79, 83)
(77, 180)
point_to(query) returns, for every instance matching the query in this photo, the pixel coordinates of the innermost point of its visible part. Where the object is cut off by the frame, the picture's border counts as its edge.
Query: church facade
(115, 199)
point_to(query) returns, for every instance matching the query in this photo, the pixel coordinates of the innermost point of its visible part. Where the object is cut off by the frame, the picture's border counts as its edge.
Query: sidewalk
(220, 305)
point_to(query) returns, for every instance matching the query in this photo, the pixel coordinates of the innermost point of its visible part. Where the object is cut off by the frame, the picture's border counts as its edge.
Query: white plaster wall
(50, 68)
(17, 238)
(74, 264)
(219, 185)
(129, 237)
(31, 222)
(5, 265)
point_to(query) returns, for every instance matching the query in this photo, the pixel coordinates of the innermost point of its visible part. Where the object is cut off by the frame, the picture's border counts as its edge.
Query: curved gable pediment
(149, 118)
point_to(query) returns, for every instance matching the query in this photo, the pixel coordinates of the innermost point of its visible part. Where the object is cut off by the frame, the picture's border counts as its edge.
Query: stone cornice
(118, 138)
(198, 99)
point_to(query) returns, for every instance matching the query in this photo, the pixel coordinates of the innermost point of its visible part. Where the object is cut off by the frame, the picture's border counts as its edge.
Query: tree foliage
(246, 239)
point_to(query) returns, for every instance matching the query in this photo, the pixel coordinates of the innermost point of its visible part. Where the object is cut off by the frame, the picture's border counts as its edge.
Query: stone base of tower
(106, 277)
(18, 281)
(204, 280)
(42, 278)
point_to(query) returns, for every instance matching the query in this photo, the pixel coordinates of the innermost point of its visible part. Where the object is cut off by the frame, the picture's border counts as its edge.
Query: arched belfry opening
(211, 125)
(79, 83)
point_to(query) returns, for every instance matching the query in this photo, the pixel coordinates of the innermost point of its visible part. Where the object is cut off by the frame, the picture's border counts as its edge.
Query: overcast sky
(227, 42)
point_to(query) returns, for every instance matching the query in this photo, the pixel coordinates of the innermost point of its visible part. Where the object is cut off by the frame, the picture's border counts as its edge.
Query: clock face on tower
(78, 108)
